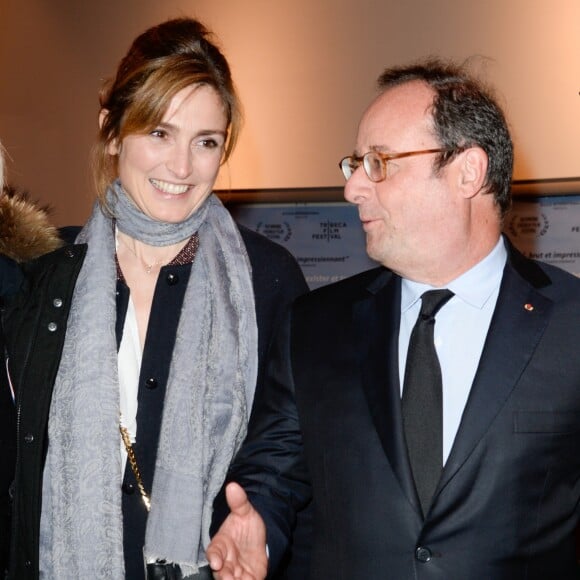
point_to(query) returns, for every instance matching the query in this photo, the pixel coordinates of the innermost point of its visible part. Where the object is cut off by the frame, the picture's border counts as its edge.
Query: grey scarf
(209, 395)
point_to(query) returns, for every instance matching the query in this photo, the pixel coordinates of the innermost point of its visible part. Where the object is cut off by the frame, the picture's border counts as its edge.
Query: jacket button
(151, 383)
(128, 488)
(69, 253)
(57, 302)
(423, 554)
(29, 438)
(52, 326)
(172, 279)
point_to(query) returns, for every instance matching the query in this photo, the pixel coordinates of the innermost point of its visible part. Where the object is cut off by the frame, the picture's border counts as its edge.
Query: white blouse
(129, 365)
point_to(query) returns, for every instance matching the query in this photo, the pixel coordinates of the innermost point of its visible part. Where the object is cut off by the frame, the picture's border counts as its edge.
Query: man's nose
(358, 186)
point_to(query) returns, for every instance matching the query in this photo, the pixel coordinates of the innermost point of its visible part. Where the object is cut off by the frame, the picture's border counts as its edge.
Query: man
(476, 478)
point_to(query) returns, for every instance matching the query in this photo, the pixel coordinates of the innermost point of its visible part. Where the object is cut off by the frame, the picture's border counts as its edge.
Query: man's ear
(113, 147)
(473, 170)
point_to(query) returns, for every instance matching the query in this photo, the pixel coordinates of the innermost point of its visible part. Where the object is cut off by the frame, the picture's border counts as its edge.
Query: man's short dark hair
(465, 114)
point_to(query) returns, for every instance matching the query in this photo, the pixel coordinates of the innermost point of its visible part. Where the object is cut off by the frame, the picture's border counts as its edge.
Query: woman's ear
(113, 147)
(473, 171)
(102, 116)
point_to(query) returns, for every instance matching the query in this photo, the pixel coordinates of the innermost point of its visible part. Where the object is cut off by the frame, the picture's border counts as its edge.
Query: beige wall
(305, 70)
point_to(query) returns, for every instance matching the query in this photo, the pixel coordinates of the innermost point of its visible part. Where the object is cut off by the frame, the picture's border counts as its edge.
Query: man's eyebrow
(375, 148)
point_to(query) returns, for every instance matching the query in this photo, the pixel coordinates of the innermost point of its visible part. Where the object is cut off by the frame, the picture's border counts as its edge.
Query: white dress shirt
(460, 331)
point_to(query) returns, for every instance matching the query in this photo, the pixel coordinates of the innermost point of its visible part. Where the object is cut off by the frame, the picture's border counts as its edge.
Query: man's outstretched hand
(238, 550)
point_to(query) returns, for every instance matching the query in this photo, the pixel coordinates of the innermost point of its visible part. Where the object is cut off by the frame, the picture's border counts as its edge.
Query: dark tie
(423, 400)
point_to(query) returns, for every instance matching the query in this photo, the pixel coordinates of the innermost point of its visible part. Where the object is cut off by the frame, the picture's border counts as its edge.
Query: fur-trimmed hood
(25, 231)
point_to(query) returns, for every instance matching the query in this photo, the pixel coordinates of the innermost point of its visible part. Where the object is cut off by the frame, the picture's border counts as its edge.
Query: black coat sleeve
(270, 466)
(278, 281)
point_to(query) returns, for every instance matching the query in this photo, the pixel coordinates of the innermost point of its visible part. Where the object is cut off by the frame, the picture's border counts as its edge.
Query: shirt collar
(473, 287)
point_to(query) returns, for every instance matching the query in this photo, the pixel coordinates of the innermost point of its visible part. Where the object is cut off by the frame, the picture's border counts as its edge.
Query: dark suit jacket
(508, 500)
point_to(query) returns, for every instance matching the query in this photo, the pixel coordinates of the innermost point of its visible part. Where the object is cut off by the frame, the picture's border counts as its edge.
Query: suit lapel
(376, 321)
(519, 320)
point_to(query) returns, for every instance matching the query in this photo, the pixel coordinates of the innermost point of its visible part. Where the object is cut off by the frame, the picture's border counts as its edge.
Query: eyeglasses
(375, 163)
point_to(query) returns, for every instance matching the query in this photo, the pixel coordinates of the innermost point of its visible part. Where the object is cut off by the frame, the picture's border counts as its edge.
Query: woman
(128, 421)
(25, 233)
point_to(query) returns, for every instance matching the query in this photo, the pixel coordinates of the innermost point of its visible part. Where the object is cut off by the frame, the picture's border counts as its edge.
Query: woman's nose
(180, 161)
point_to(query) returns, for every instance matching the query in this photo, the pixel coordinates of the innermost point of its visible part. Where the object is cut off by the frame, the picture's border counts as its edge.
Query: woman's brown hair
(161, 61)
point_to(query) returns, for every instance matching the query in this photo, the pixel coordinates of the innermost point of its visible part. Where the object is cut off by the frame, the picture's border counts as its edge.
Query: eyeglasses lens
(374, 166)
(348, 165)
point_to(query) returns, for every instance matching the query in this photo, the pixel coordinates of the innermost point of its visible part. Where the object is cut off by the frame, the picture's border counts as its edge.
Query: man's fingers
(238, 550)
(222, 566)
(237, 499)
(216, 555)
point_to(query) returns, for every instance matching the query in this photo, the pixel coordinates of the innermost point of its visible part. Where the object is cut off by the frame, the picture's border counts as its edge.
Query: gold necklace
(134, 466)
(148, 267)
